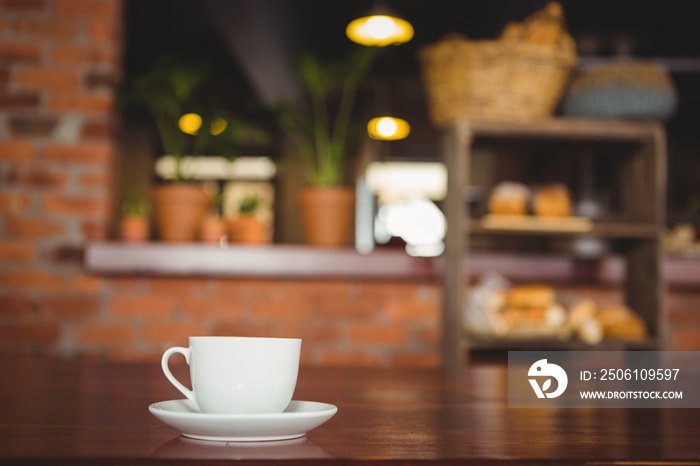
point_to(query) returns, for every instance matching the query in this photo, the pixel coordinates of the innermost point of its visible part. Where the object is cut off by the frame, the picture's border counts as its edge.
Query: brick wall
(59, 63)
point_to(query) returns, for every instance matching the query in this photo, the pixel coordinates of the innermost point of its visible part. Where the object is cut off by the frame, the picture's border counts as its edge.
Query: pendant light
(388, 128)
(380, 27)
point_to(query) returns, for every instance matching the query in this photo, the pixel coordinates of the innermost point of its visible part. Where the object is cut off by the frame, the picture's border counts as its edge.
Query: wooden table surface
(91, 412)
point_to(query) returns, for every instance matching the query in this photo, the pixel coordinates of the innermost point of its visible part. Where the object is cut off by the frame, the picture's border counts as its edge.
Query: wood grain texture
(90, 412)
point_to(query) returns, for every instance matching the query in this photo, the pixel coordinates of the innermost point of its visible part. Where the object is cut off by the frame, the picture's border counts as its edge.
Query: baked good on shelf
(621, 323)
(509, 198)
(552, 200)
(530, 296)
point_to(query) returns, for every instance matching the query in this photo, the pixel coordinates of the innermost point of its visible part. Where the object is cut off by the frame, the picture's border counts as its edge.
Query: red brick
(92, 153)
(377, 334)
(130, 354)
(31, 227)
(94, 230)
(684, 317)
(29, 333)
(101, 80)
(416, 360)
(312, 333)
(16, 151)
(281, 309)
(401, 310)
(19, 52)
(173, 333)
(225, 309)
(334, 308)
(243, 329)
(345, 358)
(312, 289)
(75, 205)
(95, 180)
(71, 308)
(382, 290)
(126, 285)
(81, 102)
(105, 334)
(96, 130)
(15, 307)
(53, 28)
(36, 177)
(13, 202)
(23, 6)
(104, 31)
(32, 280)
(430, 336)
(142, 306)
(85, 284)
(16, 251)
(19, 100)
(84, 54)
(252, 288)
(32, 126)
(88, 8)
(47, 78)
(686, 339)
(180, 287)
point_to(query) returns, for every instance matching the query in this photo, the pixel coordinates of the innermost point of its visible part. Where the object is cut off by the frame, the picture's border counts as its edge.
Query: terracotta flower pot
(248, 229)
(179, 209)
(133, 229)
(327, 215)
(212, 229)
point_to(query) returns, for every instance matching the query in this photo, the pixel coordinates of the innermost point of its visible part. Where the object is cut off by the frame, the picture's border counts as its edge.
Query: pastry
(530, 296)
(552, 200)
(621, 323)
(509, 198)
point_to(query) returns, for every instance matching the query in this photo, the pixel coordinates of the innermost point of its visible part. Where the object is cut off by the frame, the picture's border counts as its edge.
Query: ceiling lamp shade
(381, 27)
(388, 128)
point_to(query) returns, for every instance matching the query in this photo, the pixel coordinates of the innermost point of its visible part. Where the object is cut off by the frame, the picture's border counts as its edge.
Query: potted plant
(169, 90)
(247, 227)
(322, 132)
(134, 222)
(212, 227)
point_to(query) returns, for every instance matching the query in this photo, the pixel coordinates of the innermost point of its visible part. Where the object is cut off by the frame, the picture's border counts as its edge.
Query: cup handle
(189, 394)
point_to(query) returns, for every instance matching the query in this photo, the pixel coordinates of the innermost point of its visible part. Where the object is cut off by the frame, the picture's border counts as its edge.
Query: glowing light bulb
(190, 123)
(388, 128)
(218, 126)
(379, 30)
(380, 27)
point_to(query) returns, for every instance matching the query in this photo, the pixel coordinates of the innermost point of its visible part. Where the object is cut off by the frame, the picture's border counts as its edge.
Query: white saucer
(299, 418)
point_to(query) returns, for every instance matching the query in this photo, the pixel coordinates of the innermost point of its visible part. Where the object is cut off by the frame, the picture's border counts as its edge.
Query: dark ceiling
(223, 31)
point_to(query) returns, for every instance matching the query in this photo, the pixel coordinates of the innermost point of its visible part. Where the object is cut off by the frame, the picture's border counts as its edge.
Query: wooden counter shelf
(114, 258)
(93, 412)
(634, 151)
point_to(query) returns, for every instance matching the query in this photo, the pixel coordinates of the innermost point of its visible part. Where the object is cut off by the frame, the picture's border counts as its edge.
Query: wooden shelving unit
(639, 224)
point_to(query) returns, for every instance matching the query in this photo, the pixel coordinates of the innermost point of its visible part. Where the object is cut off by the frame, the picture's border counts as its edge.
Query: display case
(635, 170)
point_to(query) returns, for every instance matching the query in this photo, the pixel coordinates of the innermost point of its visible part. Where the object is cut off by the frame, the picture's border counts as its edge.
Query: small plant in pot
(134, 221)
(213, 226)
(322, 132)
(247, 227)
(172, 92)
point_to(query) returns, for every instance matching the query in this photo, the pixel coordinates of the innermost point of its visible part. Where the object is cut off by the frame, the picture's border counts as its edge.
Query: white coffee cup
(238, 375)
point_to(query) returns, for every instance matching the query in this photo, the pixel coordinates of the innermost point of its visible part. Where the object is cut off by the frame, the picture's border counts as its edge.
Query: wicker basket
(493, 80)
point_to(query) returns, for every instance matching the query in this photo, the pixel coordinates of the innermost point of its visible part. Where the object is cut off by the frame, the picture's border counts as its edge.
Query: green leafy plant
(172, 88)
(134, 204)
(249, 204)
(321, 130)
